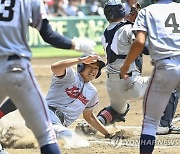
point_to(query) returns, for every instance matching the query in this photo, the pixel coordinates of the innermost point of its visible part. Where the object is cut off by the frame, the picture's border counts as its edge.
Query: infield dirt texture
(17, 139)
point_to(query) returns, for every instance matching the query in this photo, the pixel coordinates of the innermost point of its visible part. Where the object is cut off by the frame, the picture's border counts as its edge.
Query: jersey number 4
(6, 10)
(172, 24)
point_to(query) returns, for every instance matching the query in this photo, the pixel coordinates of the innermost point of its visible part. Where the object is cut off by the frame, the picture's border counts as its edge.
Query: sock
(50, 149)
(1, 114)
(147, 143)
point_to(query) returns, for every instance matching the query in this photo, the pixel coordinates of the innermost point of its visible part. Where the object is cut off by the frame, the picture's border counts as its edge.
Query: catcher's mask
(81, 66)
(135, 8)
(114, 9)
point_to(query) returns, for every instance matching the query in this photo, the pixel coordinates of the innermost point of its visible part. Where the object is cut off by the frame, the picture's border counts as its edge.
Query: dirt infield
(19, 140)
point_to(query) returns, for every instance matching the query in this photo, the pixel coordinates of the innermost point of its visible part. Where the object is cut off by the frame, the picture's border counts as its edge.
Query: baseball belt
(59, 114)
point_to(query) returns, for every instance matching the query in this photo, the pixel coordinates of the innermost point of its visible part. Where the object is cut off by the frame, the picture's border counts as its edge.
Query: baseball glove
(118, 134)
(84, 45)
(85, 129)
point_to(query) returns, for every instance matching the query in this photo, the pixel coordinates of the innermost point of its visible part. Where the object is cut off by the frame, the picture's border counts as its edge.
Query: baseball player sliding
(117, 40)
(16, 76)
(159, 23)
(70, 94)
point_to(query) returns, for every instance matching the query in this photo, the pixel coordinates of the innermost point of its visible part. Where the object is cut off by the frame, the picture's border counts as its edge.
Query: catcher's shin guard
(108, 115)
(166, 119)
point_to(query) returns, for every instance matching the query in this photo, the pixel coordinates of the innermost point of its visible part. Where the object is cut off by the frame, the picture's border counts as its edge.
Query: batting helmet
(114, 9)
(81, 66)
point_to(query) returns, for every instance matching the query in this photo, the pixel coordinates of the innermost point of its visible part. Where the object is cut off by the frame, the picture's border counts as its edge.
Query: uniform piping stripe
(1, 114)
(40, 98)
(145, 98)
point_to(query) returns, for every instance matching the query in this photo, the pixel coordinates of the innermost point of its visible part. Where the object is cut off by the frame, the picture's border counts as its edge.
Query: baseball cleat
(162, 130)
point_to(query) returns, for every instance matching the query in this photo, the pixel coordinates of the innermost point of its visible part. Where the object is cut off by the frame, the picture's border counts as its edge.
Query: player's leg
(120, 91)
(118, 107)
(138, 89)
(155, 102)
(57, 121)
(153, 110)
(24, 91)
(6, 107)
(2, 97)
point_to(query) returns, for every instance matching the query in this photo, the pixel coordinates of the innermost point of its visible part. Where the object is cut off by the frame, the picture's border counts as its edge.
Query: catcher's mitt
(85, 129)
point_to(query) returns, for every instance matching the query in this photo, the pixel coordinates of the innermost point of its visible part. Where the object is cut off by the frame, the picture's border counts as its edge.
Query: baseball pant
(165, 78)
(121, 91)
(17, 81)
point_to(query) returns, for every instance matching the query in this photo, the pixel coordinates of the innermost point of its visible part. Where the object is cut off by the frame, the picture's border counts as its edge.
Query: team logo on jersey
(76, 93)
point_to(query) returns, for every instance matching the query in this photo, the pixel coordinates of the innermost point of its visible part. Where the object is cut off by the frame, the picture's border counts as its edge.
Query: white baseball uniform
(161, 22)
(121, 91)
(16, 77)
(71, 96)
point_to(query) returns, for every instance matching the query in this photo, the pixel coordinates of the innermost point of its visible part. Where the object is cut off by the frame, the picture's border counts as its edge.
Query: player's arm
(59, 41)
(94, 122)
(54, 38)
(135, 50)
(59, 68)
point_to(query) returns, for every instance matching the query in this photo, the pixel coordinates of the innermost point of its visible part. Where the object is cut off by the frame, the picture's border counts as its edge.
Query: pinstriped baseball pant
(17, 81)
(165, 78)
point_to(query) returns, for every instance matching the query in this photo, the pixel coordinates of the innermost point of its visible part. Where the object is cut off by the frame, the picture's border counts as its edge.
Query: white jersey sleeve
(15, 18)
(38, 14)
(161, 21)
(94, 100)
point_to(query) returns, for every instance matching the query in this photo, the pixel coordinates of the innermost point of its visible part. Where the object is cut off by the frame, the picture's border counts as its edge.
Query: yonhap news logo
(118, 142)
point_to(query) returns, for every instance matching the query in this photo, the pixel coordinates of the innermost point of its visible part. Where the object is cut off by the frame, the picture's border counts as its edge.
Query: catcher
(71, 93)
(117, 40)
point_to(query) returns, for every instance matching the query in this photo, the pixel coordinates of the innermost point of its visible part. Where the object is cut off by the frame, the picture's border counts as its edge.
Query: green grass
(48, 52)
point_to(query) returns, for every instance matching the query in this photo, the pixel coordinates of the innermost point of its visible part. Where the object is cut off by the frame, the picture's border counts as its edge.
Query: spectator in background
(95, 8)
(72, 8)
(50, 6)
(60, 8)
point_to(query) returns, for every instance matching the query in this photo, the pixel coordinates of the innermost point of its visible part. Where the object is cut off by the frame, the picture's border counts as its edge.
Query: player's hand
(89, 59)
(123, 72)
(84, 45)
